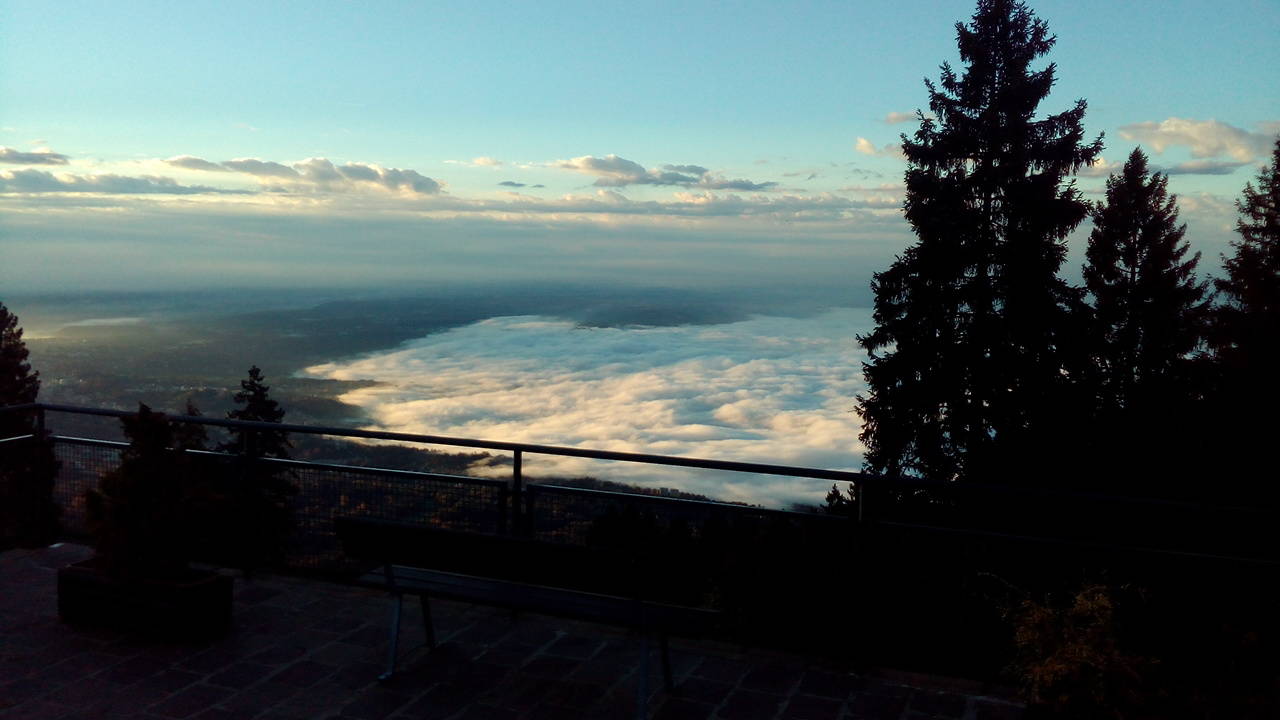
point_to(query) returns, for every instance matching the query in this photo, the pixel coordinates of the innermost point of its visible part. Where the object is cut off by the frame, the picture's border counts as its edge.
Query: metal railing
(569, 514)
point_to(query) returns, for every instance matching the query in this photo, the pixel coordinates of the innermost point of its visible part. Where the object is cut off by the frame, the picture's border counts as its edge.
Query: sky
(197, 144)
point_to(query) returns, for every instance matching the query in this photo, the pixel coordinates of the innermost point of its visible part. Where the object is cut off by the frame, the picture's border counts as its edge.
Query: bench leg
(393, 642)
(426, 620)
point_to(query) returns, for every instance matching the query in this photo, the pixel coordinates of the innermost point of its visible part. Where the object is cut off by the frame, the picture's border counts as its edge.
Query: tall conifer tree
(1149, 305)
(967, 358)
(1245, 337)
(28, 514)
(1246, 333)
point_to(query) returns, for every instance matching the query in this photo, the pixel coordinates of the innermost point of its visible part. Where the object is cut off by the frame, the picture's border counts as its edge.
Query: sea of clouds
(768, 389)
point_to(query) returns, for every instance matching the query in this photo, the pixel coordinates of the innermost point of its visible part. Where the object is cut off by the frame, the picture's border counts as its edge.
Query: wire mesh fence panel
(580, 516)
(325, 492)
(80, 466)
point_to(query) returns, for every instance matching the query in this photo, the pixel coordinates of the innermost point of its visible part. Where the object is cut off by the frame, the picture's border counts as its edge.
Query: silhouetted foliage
(1245, 334)
(1149, 306)
(140, 514)
(1149, 313)
(28, 515)
(970, 366)
(255, 517)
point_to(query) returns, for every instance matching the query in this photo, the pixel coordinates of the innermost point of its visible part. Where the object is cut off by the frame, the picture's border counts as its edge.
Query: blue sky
(154, 144)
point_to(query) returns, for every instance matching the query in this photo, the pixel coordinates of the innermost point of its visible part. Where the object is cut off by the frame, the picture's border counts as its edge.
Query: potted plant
(140, 578)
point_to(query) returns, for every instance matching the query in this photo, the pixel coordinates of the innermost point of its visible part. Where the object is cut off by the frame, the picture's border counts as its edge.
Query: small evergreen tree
(139, 515)
(257, 494)
(28, 513)
(969, 360)
(1149, 305)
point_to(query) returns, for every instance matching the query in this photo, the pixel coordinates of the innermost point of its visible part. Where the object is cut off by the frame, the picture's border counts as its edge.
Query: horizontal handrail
(862, 480)
(336, 467)
(761, 468)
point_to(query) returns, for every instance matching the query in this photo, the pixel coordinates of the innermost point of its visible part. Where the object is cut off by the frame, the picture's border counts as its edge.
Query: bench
(522, 574)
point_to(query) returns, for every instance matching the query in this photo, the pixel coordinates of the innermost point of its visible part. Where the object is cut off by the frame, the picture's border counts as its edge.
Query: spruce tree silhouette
(1149, 305)
(258, 494)
(969, 369)
(28, 514)
(1245, 337)
(1150, 310)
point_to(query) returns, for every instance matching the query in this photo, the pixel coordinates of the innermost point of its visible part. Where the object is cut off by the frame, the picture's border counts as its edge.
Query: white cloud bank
(1205, 139)
(770, 389)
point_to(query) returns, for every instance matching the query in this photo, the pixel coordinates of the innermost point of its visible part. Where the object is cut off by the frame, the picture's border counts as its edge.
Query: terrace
(307, 642)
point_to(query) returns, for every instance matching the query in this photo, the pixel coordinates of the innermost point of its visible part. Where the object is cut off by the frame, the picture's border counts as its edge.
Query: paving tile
(995, 710)
(550, 667)
(723, 669)
(773, 678)
(218, 713)
(874, 705)
(810, 707)
(441, 702)
(248, 703)
(190, 701)
(374, 704)
(938, 704)
(750, 705)
(134, 669)
(485, 712)
(828, 684)
(339, 653)
(28, 688)
(303, 673)
(34, 710)
(579, 647)
(684, 709)
(279, 654)
(240, 675)
(211, 660)
(357, 675)
(702, 690)
(86, 692)
(166, 682)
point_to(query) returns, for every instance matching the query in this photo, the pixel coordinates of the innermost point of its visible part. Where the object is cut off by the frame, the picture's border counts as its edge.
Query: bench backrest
(535, 562)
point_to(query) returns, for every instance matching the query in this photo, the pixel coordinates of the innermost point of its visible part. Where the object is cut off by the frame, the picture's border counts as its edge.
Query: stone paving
(303, 648)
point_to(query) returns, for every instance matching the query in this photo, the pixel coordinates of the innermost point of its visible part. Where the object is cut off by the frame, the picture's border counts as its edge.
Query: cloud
(866, 147)
(39, 181)
(260, 168)
(321, 174)
(191, 162)
(614, 171)
(1206, 139)
(895, 118)
(690, 169)
(1101, 167)
(486, 162)
(512, 183)
(1204, 167)
(33, 157)
(768, 389)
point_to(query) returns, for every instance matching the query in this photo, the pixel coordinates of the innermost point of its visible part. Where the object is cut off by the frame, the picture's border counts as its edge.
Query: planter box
(194, 607)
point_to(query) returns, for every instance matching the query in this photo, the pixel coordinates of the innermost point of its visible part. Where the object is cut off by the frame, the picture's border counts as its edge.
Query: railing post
(517, 494)
(40, 424)
(861, 489)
